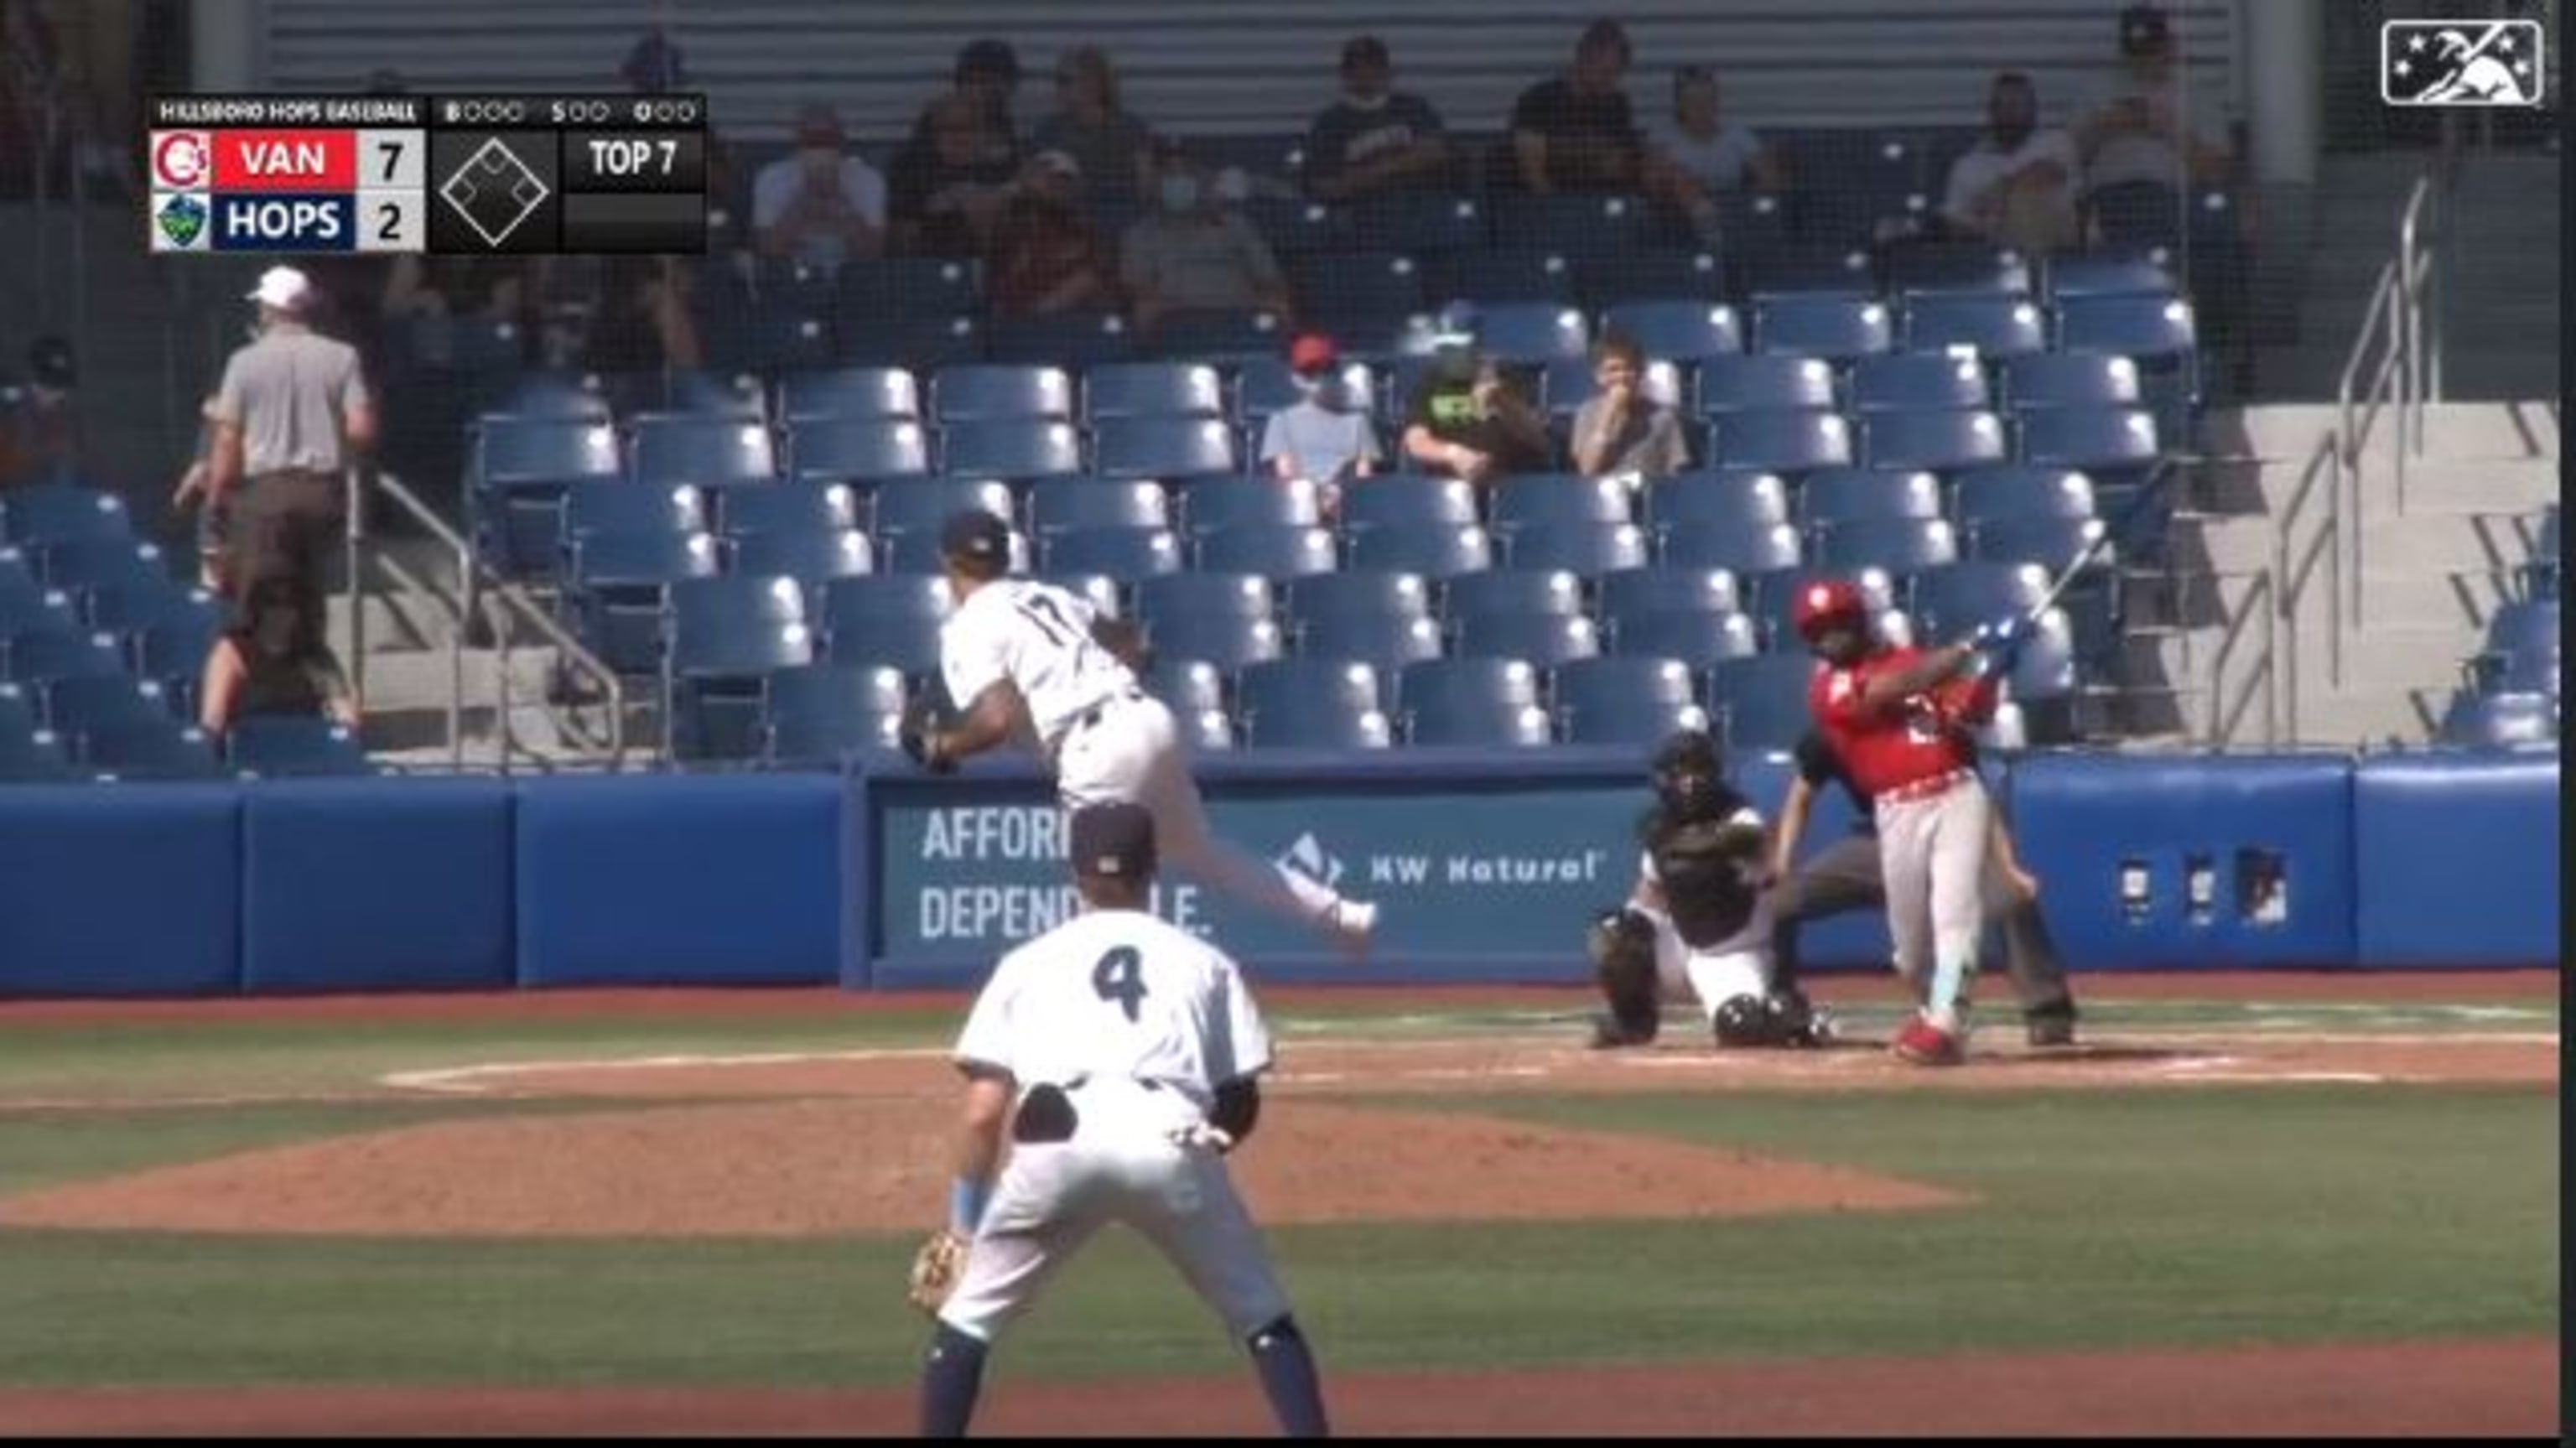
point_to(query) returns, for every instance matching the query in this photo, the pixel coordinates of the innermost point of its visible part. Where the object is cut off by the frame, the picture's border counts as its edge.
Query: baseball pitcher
(1124, 1055)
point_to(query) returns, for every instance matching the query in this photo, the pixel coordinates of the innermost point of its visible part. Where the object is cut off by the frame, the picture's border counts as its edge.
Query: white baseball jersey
(1038, 636)
(1737, 965)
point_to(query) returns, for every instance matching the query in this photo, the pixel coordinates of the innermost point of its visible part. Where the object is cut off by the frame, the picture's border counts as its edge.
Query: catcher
(1698, 926)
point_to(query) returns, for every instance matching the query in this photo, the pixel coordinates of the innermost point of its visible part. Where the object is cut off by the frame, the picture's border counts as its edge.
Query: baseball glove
(923, 716)
(936, 1269)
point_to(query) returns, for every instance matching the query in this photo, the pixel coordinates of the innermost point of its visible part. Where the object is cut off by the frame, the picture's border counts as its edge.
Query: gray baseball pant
(1847, 877)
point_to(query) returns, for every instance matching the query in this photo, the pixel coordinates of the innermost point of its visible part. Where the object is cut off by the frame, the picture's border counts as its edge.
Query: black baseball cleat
(1609, 1035)
(2051, 1028)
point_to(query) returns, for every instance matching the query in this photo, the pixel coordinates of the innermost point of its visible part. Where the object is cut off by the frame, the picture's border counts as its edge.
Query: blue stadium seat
(2017, 491)
(125, 607)
(612, 507)
(1264, 385)
(1211, 503)
(1207, 336)
(1788, 441)
(18, 712)
(1838, 329)
(1217, 595)
(701, 450)
(1434, 550)
(864, 393)
(165, 749)
(1942, 439)
(736, 627)
(1097, 589)
(1696, 638)
(1534, 332)
(2047, 539)
(1630, 591)
(2132, 325)
(556, 396)
(717, 396)
(1740, 499)
(1404, 499)
(1584, 548)
(788, 508)
(1617, 281)
(173, 654)
(280, 747)
(41, 658)
(1013, 448)
(1624, 700)
(1064, 339)
(1207, 732)
(1729, 384)
(878, 291)
(1012, 390)
(1483, 702)
(786, 337)
(1153, 389)
(1417, 223)
(1512, 591)
(80, 563)
(1296, 227)
(1834, 495)
(824, 711)
(1501, 277)
(1739, 550)
(1363, 298)
(1807, 271)
(1273, 553)
(1676, 330)
(1312, 704)
(1544, 639)
(2044, 671)
(2071, 379)
(1228, 641)
(1543, 499)
(1570, 224)
(921, 343)
(2523, 627)
(1917, 380)
(1992, 326)
(1363, 593)
(34, 756)
(1757, 229)
(808, 556)
(1125, 554)
(1762, 702)
(1056, 504)
(2502, 721)
(2540, 575)
(1899, 545)
(2091, 438)
(2111, 274)
(858, 449)
(515, 451)
(1964, 267)
(1384, 643)
(1164, 447)
(618, 582)
(76, 704)
(909, 515)
(61, 513)
(1186, 686)
(1950, 602)
(906, 643)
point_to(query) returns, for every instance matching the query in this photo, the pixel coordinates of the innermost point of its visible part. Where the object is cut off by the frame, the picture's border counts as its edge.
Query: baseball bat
(2112, 528)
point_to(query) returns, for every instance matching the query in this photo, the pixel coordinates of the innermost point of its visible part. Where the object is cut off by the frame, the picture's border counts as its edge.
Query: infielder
(1898, 717)
(1018, 650)
(1698, 925)
(1133, 1050)
(1849, 874)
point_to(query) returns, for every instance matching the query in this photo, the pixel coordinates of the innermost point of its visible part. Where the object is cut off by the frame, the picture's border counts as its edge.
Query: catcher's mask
(1687, 772)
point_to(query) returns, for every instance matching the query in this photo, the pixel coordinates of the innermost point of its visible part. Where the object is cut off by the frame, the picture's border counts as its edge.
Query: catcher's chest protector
(1708, 891)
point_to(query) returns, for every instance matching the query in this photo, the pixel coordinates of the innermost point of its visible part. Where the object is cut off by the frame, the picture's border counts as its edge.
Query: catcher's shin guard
(1622, 946)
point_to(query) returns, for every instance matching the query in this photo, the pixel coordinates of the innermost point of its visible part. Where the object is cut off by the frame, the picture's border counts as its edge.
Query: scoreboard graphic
(446, 175)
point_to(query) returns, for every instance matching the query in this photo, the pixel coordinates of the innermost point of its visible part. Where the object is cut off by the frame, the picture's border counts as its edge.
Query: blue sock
(950, 1381)
(1288, 1377)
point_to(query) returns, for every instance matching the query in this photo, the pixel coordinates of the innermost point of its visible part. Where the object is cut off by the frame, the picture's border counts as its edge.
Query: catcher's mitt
(922, 717)
(936, 1269)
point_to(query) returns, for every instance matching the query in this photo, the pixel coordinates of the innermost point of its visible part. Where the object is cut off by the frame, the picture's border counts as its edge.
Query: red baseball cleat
(1922, 1043)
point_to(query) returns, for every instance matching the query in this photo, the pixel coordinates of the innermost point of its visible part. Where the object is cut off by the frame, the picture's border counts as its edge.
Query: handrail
(2258, 599)
(2392, 334)
(475, 578)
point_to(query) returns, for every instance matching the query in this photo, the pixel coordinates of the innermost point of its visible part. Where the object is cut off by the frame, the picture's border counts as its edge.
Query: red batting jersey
(1900, 743)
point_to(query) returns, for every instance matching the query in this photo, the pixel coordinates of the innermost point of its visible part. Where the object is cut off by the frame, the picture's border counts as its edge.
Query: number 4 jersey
(1119, 994)
(1038, 636)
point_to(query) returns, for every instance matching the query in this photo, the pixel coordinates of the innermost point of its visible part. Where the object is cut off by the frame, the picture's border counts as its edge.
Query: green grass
(2105, 1218)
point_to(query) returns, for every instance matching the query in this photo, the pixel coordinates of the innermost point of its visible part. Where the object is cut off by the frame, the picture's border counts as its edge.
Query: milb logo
(2461, 63)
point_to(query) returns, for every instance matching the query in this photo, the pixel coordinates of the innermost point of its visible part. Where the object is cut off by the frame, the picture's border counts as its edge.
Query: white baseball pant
(1737, 965)
(1933, 852)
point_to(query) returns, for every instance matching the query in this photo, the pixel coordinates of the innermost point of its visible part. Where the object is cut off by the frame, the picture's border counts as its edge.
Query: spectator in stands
(1195, 253)
(1471, 421)
(1114, 149)
(654, 65)
(1718, 153)
(819, 205)
(987, 73)
(2017, 186)
(1374, 138)
(946, 193)
(214, 517)
(2139, 145)
(645, 321)
(272, 661)
(424, 296)
(1620, 429)
(1325, 436)
(1577, 133)
(39, 427)
(1046, 256)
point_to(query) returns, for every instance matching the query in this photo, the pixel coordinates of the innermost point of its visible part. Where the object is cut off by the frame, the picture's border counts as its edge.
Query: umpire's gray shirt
(290, 393)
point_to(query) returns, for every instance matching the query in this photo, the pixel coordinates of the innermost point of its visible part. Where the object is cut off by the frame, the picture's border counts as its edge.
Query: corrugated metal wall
(1222, 66)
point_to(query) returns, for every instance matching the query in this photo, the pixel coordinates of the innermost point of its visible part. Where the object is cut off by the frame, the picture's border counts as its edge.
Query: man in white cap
(290, 415)
(819, 205)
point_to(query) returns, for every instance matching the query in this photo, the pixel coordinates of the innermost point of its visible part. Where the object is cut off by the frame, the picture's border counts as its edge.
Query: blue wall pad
(377, 884)
(120, 890)
(2458, 861)
(666, 880)
(2229, 861)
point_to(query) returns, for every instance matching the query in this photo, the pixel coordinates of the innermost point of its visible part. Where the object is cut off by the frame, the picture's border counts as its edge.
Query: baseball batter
(1018, 652)
(1698, 925)
(1124, 1054)
(1898, 717)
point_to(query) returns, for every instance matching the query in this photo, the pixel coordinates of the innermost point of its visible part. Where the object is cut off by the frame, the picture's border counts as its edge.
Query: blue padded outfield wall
(1487, 864)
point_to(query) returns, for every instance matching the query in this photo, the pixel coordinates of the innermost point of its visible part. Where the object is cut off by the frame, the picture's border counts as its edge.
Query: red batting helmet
(1829, 603)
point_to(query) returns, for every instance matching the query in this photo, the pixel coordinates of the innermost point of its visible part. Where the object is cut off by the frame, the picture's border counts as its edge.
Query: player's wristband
(966, 1203)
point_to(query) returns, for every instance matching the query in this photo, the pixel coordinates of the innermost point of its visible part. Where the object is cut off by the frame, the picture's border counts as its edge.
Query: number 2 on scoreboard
(390, 221)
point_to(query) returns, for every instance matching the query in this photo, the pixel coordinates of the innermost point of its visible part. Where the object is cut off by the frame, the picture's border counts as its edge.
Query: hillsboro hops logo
(2460, 63)
(181, 223)
(1309, 858)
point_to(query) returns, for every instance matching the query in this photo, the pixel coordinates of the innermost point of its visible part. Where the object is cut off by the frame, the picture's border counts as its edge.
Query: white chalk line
(467, 1080)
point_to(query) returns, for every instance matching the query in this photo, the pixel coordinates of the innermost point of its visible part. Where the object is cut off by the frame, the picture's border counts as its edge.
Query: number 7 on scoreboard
(393, 193)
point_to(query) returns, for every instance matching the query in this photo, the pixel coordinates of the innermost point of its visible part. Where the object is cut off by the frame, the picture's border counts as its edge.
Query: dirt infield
(2417, 1390)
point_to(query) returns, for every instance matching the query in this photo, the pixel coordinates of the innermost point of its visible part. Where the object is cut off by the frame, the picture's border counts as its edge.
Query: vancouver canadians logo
(181, 159)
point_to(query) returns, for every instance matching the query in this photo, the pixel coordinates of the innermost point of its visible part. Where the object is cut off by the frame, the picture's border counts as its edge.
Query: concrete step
(426, 678)
(2382, 656)
(2421, 543)
(2369, 718)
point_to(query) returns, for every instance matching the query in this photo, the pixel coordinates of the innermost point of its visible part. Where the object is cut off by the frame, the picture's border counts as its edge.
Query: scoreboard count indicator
(462, 175)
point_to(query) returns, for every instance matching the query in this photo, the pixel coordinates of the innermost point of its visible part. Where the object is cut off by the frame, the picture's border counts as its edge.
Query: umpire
(290, 416)
(1849, 876)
